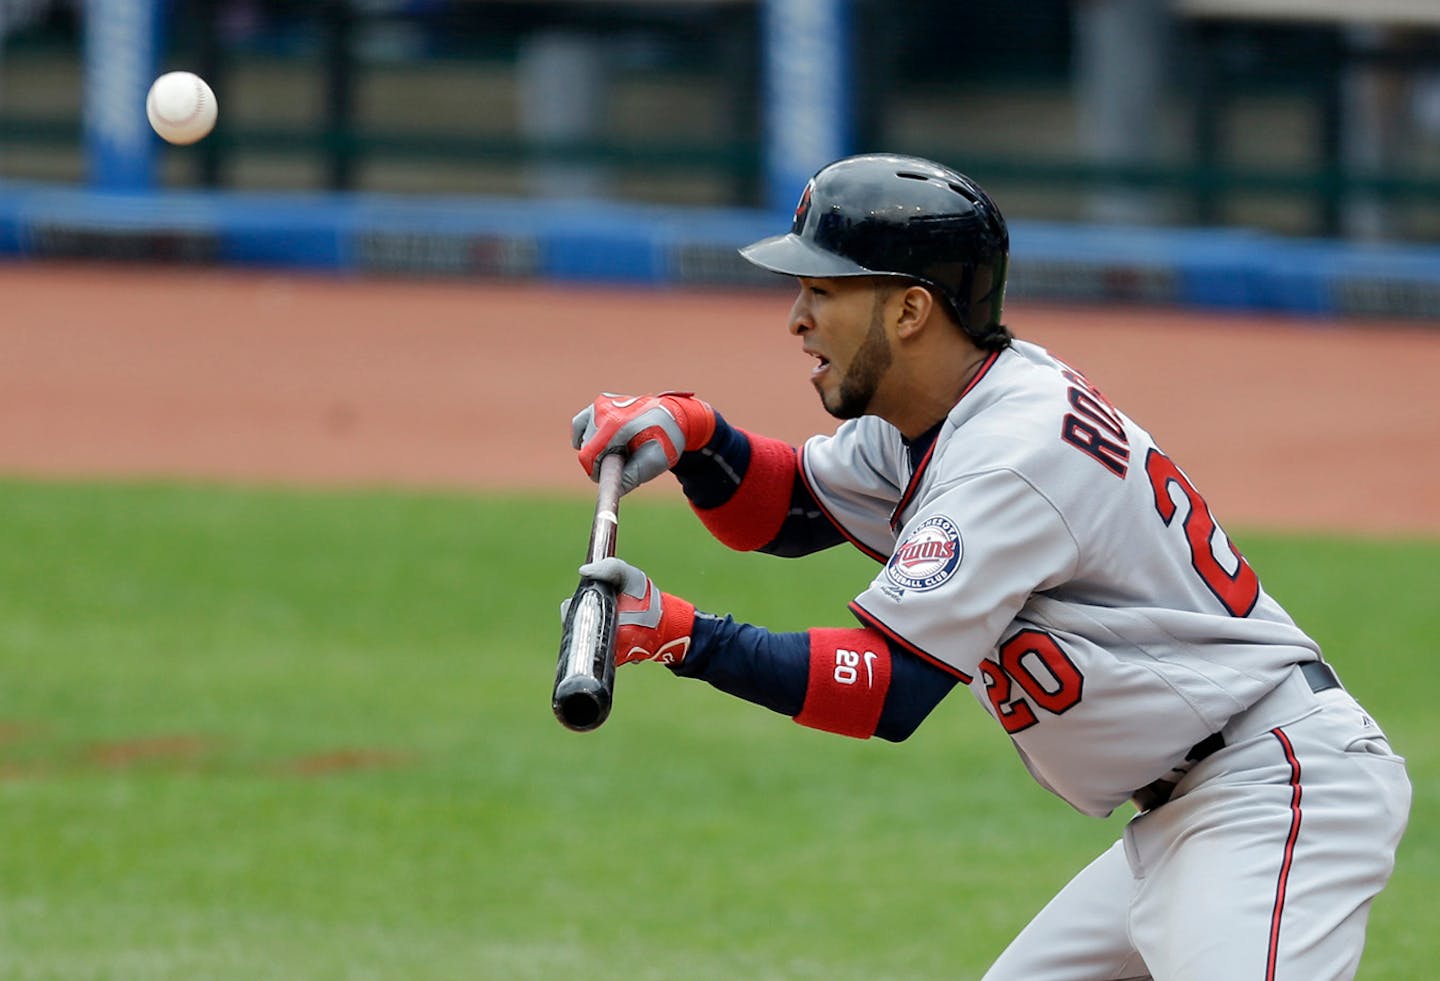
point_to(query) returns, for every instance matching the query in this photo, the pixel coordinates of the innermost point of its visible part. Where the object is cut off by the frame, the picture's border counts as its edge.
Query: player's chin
(828, 396)
(840, 404)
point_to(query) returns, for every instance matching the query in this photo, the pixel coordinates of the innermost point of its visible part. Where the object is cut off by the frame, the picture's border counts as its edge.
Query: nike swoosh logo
(869, 671)
(625, 403)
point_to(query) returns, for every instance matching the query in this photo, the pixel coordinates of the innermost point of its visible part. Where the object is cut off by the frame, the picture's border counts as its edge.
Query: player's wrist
(671, 641)
(695, 416)
(677, 617)
(667, 642)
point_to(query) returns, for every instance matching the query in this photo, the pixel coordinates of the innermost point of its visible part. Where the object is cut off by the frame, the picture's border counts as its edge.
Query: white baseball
(180, 107)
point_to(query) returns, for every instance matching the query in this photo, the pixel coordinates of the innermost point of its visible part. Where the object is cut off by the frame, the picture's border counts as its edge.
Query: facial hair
(872, 359)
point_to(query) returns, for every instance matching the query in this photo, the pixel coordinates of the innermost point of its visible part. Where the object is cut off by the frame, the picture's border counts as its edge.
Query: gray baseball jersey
(1050, 554)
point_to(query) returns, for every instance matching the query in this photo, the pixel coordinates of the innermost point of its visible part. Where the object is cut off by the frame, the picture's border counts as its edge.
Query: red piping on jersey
(915, 477)
(1284, 879)
(805, 479)
(912, 486)
(870, 620)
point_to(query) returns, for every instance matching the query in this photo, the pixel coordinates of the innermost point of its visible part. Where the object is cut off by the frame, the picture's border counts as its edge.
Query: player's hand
(652, 430)
(652, 626)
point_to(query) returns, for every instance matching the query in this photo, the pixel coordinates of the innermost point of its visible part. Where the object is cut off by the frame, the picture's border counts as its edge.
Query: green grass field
(307, 735)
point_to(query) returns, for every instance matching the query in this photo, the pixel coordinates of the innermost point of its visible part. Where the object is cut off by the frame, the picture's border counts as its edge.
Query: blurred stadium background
(1275, 154)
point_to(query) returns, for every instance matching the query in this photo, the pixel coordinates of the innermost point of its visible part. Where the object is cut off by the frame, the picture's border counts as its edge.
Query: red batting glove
(653, 626)
(651, 430)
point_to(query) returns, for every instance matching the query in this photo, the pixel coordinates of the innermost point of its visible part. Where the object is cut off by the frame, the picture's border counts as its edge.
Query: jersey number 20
(1033, 662)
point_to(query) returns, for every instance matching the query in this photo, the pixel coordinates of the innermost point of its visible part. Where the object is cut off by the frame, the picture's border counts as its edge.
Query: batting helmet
(888, 215)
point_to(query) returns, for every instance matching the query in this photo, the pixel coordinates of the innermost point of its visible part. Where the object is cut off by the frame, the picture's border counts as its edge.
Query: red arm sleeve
(848, 680)
(754, 513)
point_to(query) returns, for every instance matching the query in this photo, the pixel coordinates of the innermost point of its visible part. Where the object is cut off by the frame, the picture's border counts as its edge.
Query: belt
(1318, 675)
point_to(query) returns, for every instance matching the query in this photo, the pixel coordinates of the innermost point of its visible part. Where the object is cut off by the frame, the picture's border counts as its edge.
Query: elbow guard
(849, 678)
(753, 515)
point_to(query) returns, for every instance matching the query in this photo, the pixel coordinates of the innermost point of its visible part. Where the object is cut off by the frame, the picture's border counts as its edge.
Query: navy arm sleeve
(711, 475)
(771, 669)
(806, 528)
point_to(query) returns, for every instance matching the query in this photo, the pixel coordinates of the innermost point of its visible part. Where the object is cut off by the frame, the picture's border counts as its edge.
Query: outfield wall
(655, 245)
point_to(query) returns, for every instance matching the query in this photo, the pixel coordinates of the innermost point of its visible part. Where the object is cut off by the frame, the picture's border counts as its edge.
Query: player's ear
(915, 304)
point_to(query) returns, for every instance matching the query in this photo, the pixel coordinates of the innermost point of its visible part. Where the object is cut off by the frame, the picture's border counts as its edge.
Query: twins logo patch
(928, 558)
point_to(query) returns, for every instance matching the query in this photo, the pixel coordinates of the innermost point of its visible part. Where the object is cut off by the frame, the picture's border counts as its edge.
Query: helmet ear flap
(987, 293)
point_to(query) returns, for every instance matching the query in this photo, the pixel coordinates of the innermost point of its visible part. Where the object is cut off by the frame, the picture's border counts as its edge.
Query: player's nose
(799, 316)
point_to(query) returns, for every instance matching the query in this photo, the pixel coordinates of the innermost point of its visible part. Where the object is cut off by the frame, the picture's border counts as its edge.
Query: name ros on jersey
(1095, 427)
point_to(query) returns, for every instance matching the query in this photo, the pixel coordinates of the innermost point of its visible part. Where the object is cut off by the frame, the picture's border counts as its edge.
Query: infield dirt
(112, 371)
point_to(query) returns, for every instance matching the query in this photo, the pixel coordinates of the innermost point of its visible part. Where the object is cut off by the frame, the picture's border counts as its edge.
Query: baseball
(181, 107)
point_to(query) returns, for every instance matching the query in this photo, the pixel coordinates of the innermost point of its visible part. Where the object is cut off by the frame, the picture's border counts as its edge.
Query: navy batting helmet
(887, 215)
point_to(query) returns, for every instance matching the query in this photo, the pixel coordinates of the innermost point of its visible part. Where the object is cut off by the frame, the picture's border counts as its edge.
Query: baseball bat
(585, 669)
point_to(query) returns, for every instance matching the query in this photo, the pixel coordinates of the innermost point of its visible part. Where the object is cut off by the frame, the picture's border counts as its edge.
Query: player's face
(842, 324)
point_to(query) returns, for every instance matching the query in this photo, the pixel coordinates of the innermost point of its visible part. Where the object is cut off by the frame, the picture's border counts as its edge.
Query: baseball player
(1040, 548)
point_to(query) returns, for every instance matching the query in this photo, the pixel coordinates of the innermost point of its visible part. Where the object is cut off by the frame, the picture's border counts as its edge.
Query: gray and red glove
(652, 430)
(652, 626)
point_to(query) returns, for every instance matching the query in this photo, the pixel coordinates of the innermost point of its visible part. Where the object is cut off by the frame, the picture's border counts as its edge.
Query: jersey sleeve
(965, 564)
(856, 477)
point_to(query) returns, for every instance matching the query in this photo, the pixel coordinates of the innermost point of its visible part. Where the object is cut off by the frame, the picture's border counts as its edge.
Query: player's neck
(928, 387)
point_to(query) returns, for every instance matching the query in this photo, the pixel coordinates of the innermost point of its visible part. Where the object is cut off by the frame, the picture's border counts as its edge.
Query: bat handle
(606, 524)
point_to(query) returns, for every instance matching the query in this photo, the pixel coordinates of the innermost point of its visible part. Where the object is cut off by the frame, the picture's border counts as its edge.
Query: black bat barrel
(585, 669)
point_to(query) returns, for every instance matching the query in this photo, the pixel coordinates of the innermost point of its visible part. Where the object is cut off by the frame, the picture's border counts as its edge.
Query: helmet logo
(802, 210)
